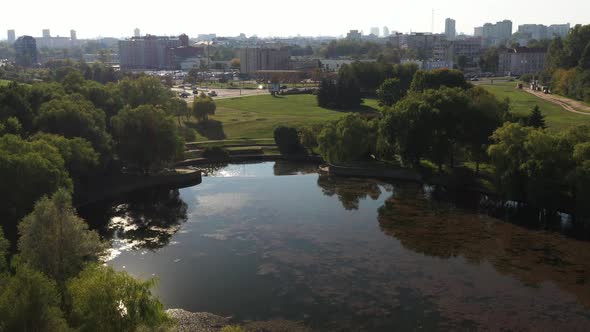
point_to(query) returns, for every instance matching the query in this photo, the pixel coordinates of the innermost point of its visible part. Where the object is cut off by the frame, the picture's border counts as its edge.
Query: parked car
(212, 94)
(183, 94)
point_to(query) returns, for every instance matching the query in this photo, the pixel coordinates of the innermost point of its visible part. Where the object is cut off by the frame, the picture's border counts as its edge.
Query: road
(568, 104)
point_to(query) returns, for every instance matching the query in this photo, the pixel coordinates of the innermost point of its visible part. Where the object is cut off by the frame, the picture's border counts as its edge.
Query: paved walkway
(568, 104)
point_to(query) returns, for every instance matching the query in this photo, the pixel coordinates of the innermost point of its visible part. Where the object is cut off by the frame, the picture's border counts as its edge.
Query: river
(272, 241)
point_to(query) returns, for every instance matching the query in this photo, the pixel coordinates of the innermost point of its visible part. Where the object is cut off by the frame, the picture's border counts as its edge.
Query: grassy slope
(4, 82)
(257, 116)
(522, 103)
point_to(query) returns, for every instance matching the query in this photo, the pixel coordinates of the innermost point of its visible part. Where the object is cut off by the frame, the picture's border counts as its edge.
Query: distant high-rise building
(136, 33)
(478, 32)
(149, 52)
(385, 32)
(255, 59)
(183, 40)
(558, 30)
(25, 51)
(522, 60)
(354, 35)
(375, 31)
(450, 30)
(206, 36)
(73, 36)
(495, 34)
(46, 33)
(539, 31)
(11, 36)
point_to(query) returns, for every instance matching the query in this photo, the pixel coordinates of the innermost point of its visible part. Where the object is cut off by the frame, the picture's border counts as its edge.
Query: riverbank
(107, 187)
(371, 169)
(187, 321)
(248, 158)
(196, 321)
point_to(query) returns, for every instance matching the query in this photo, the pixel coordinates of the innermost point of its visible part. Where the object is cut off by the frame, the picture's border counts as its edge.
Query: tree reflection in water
(438, 229)
(147, 219)
(350, 191)
(283, 167)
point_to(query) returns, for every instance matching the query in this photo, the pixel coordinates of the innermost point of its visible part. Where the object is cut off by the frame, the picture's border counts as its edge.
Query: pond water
(279, 241)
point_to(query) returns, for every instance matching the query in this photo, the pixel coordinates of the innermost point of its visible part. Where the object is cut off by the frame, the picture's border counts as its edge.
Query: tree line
(440, 118)
(78, 123)
(568, 64)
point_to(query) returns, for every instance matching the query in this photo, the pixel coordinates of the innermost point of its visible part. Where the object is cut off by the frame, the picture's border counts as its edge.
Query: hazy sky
(118, 18)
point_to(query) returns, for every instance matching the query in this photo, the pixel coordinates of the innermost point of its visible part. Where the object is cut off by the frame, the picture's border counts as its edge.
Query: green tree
(4, 245)
(287, 139)
(488, 62)
(146, 139)
(308, 136)
(28, 171)
(349, 139)
(348, 93)
(16, 102)
(575, 44)
(81, 160)
(391, 91)
(424, 80)
(203, 106)
(178, 108)
(462, 62)
(193, 76)
(584, 63)
(408, 129)
(555, 55)
(144, 90)
(54, 240)
(12, 126)
(76, 117)
(536, 119)
(29, 301)
(549, 162)
(104, 97)
(486, 114)
(327, 94)
(73, 82)
(106, 300)
(507, 154)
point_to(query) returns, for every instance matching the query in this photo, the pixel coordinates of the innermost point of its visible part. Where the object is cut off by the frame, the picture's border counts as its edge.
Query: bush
(308, 136)
(203, 106)
(106, 300)
(287, 140)
(188, 134)
(216, 153)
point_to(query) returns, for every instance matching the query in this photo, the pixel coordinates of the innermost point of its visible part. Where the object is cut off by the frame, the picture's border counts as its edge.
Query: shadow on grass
(210, 129)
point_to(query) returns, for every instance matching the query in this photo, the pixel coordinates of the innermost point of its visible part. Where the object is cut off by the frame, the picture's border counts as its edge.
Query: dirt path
(568, 104)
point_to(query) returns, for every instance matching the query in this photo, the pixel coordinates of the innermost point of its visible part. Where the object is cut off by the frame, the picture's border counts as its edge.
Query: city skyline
(116, 19)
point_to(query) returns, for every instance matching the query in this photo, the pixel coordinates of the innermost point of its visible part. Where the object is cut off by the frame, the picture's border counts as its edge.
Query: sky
(118, 18)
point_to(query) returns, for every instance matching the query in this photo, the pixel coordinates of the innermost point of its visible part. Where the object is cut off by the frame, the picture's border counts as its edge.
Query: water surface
(279, 241)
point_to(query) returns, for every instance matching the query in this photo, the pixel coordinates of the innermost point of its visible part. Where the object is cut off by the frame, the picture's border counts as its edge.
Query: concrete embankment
(248, 158)
(395, 174)
(101, 188)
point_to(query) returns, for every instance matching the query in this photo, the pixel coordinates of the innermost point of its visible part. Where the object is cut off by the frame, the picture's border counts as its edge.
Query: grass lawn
(521, 103)
(4, 82)
(257, 116)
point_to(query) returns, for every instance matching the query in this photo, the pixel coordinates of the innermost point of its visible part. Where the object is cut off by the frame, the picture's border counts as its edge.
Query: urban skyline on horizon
(264, 20)
(368, 31)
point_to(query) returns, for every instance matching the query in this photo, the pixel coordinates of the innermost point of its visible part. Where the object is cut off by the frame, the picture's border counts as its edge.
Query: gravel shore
(197, 321)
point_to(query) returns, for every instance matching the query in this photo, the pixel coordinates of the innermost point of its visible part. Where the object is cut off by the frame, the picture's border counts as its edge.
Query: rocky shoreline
(197, 321)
